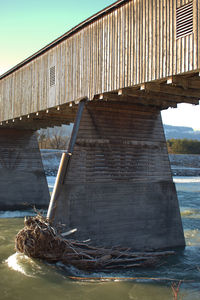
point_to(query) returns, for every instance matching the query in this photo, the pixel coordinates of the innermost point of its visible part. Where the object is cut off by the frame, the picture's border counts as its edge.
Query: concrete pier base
(118, 188)
(22, 180)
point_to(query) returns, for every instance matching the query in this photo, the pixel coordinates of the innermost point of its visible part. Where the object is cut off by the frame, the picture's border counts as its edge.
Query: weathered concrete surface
(118, 188)
(22, 179)
(140, 215)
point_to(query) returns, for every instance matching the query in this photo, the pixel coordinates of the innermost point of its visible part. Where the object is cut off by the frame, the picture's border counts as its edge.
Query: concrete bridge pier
(22, 179)
(118, 187)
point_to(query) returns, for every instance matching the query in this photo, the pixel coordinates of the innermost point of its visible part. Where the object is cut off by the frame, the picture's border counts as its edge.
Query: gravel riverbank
(185, 164)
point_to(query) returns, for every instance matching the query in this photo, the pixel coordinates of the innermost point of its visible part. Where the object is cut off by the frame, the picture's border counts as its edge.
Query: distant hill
(179, 132)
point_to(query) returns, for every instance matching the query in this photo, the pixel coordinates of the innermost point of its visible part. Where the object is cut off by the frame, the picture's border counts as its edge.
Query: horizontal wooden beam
(171, 90)
(147, 94)
(185, 83)
(34, 124)
(137, 99)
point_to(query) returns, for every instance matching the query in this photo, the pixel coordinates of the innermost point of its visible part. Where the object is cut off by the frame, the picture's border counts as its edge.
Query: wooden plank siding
(132, 44)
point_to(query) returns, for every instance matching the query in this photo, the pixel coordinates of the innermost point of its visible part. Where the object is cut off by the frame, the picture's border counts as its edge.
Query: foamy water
(185, 179)
(16, 262)
(187, 184)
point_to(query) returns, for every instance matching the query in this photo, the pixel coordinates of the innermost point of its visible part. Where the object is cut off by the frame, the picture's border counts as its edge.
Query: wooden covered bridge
(111, 75)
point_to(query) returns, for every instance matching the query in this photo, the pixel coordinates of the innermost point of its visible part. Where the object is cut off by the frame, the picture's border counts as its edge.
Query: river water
(23, 278)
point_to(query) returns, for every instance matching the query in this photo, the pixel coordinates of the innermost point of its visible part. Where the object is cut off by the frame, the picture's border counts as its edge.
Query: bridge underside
(161, 94)
(118, 188)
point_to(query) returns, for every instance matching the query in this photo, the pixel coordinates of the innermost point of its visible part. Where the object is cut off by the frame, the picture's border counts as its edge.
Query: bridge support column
(22, 179)
(118, 188)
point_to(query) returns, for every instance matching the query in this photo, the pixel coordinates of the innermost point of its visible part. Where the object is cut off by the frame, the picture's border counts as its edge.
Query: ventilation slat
(52, 76)
(185, 7)
(182, 34)
(184, 26)
(185, 16)
(184, 20)
(183, 30)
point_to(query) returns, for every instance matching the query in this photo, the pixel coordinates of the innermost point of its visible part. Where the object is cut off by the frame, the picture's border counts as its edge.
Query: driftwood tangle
(38, 239)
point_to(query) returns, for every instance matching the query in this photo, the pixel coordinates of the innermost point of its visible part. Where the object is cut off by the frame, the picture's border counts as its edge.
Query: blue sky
(28, 25)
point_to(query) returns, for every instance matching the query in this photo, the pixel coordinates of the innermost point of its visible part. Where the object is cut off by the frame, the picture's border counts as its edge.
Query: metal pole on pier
(64, 163)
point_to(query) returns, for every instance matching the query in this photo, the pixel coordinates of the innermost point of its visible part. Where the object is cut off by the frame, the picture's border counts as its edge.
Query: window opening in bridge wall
(52, 76)
(184, 20)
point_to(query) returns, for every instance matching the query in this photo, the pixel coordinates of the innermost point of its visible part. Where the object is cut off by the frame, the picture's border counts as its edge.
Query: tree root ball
(39, 239)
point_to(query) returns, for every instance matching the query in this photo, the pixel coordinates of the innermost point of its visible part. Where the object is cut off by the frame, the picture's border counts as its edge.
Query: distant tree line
(183, 146)
(52, 138)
